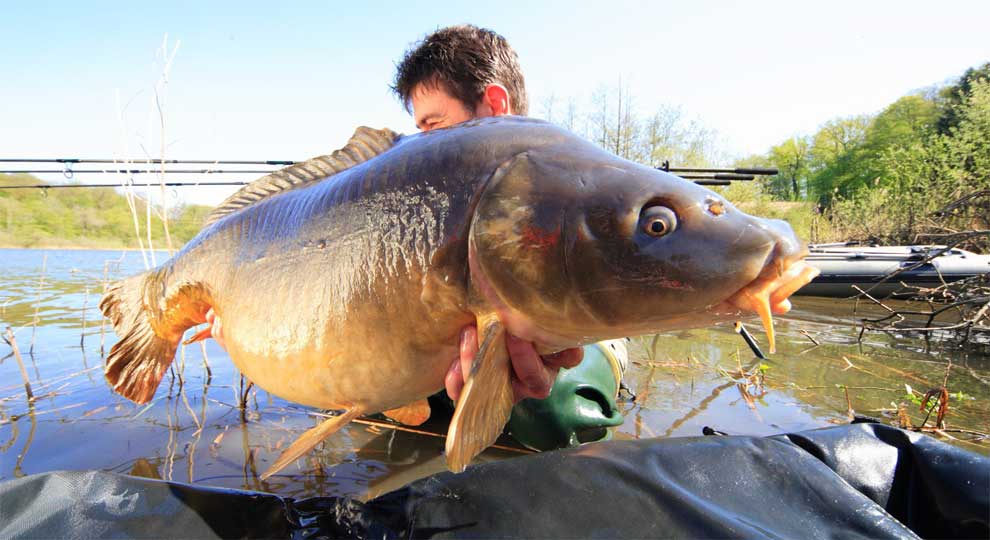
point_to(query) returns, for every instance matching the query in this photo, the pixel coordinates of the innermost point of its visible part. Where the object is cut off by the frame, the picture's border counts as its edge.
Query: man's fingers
(467, 348)
(218, 331)
(532, 375)
(454, 381)
(216, 327)
(567, 358)
(520, 391)
(529, 368)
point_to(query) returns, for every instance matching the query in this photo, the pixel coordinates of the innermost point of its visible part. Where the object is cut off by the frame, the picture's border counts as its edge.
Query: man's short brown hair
(463, 59)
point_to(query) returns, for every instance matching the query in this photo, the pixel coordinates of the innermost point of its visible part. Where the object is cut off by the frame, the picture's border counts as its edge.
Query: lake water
(193, 430)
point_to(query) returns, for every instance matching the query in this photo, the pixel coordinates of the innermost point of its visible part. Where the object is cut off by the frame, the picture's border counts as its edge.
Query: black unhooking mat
(860, 480)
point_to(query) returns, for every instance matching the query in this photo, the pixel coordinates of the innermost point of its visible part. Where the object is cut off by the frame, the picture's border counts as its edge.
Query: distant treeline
(85, 217)
(893, 177)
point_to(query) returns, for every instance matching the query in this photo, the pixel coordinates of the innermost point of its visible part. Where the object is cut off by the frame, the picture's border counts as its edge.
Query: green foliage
(953, 98)
(838, 158)
(886, 177)
(792, 160)
(84, 217)
(968, 142)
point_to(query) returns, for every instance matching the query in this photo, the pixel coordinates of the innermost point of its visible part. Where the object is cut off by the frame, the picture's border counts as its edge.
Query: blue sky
(266, 80)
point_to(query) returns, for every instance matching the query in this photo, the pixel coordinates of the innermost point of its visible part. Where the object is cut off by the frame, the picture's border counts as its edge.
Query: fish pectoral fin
(486, 400)
(200, 336)
(412, 414)
(311, 438)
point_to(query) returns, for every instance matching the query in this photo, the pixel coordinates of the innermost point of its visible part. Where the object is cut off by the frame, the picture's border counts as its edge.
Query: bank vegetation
(86, 217)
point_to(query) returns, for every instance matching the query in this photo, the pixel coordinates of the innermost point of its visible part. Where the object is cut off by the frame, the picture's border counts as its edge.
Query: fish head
(575, 245)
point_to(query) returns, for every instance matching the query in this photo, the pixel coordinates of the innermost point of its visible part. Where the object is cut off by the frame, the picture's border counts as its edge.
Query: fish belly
(315, 335)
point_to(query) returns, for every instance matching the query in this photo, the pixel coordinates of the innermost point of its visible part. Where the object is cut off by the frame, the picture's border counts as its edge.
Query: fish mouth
(767, 294)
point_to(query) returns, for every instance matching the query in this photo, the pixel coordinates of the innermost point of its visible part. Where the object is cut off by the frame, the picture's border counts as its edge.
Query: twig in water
(82, 335)
(849, 406)
(849, 364)
(37, 302)
(9, 338)
(406, 429)
(242, 395)
(185, 398)
(18, 471)
(807, 335)
(942, 396)
(206, 364)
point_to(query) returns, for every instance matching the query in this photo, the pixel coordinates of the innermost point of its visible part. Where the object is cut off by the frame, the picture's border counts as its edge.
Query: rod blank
(149, 161)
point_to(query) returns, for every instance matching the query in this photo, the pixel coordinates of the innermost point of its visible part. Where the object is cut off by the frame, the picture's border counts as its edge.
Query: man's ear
(496, 98)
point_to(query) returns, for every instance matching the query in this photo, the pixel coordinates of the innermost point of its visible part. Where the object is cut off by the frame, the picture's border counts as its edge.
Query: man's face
(434, 108)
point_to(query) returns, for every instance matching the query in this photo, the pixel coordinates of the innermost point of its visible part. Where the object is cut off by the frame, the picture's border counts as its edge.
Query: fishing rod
(700, 180)
(700, 175)
(68, 172)
(754, 171)
(147, 160)
(132, 171)
(718, 176)
(665, 166)
(155, 184)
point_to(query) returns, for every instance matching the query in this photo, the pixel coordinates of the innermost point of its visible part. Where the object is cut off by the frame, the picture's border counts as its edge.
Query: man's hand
(532, 375)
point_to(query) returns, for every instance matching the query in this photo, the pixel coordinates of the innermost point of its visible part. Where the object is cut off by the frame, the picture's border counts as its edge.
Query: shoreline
(80, 248)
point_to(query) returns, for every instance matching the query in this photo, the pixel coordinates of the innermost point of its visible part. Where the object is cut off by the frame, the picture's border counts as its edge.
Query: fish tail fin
(485, 403)
(149, 331)
(310, 439)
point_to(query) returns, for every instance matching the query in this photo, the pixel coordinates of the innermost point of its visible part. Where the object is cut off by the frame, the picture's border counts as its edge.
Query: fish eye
(658, 221)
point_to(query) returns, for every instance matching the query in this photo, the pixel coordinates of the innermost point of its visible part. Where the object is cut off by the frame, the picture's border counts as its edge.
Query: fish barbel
(343, 281)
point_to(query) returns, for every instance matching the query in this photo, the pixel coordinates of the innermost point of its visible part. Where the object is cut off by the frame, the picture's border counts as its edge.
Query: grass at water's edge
(9, 241)
(61, 244)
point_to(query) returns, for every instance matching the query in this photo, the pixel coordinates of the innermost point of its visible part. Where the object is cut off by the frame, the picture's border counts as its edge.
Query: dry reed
(37, 302)
(12, 341)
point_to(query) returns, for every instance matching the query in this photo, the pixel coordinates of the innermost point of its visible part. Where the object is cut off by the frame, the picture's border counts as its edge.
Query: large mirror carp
(343, 281)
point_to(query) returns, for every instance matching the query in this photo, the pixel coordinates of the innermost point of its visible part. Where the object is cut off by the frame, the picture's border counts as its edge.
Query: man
(454, 75)
(457, 74)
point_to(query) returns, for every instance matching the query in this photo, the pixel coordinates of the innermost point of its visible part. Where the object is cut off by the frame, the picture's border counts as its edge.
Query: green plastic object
(581, 406)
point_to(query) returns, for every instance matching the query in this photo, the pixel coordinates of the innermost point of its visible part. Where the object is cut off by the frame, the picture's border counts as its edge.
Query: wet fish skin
(349, 293)
(567, 259)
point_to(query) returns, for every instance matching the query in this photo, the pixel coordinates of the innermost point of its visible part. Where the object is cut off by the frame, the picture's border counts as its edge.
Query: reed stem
(9, 338)
(37, 302)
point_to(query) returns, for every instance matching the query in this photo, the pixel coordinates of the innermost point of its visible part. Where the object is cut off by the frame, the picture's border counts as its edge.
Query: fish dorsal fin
(365, 144)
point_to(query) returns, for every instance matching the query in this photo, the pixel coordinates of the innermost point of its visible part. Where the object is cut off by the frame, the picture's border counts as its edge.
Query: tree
(668, 136)
(969, 143)
(791, 158)
(835, 156)
(953, 98)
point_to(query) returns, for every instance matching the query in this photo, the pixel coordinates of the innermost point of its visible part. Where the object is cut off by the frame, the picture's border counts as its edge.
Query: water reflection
(194, 431)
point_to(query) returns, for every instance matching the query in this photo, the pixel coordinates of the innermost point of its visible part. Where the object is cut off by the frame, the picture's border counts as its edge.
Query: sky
(292, 80)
